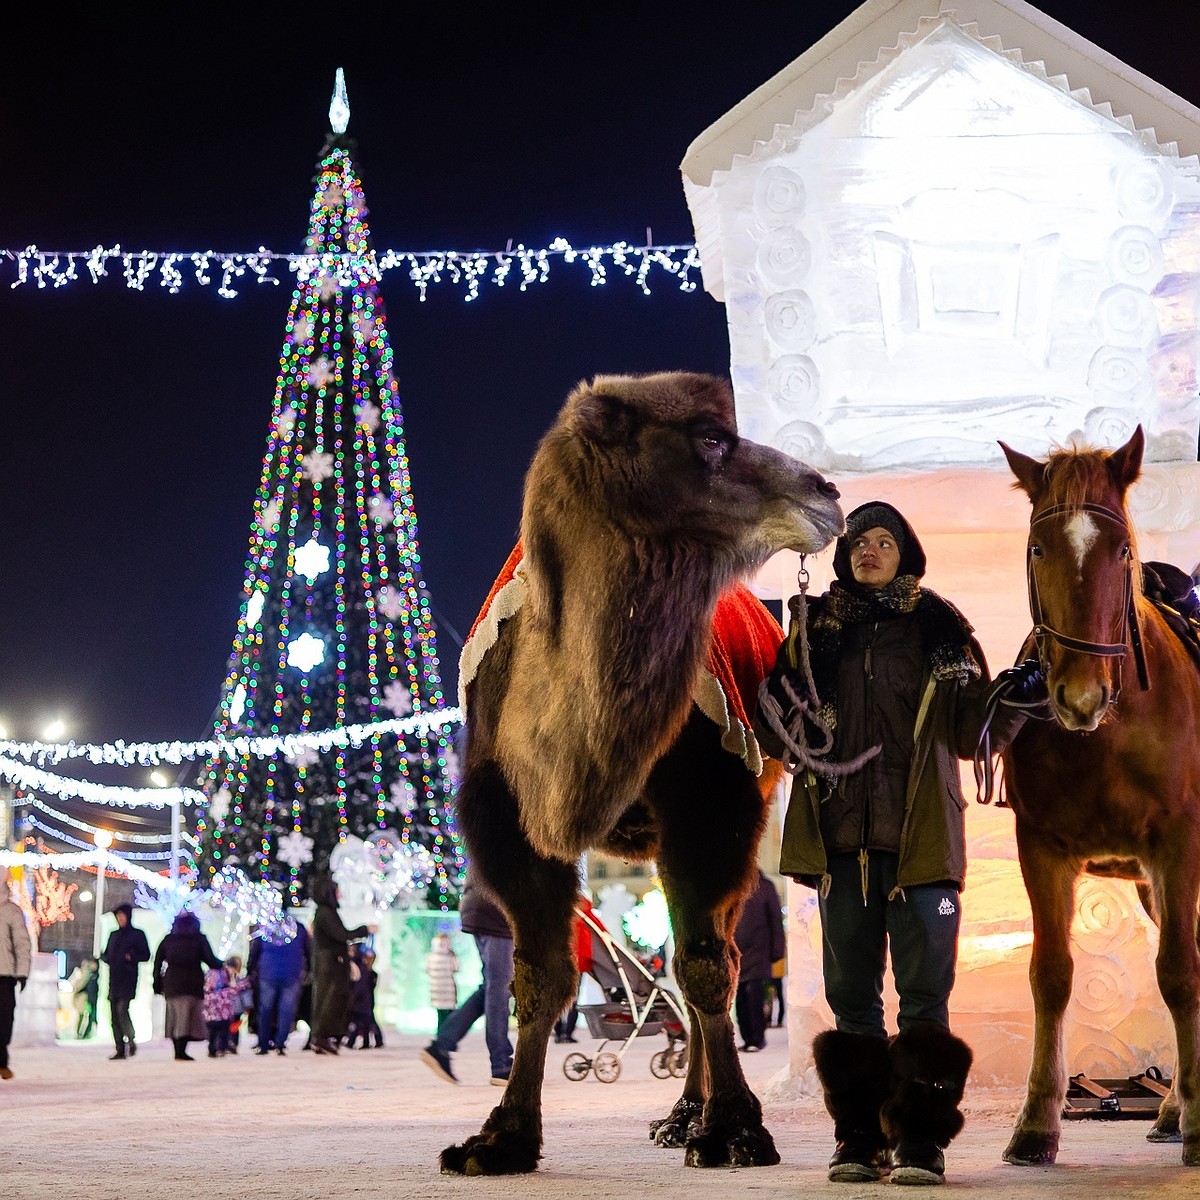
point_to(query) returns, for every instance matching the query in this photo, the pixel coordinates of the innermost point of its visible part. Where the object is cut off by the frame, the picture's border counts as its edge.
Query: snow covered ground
(371, 1123)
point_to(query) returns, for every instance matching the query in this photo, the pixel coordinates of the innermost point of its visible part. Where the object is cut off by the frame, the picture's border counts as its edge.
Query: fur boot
(921, 1117)
(853, 1069)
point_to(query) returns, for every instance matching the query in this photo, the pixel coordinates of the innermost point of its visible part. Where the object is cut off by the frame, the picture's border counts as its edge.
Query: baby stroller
(637, 1006)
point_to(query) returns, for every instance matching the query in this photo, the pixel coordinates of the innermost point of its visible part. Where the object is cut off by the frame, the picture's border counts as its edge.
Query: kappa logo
(946, 908)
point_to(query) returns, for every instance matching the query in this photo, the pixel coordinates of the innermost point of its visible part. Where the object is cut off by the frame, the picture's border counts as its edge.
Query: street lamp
(54, 730)
(103, 840)
(160, 780)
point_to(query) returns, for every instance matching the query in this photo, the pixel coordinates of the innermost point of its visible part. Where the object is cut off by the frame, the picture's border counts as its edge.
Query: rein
(1131, 631)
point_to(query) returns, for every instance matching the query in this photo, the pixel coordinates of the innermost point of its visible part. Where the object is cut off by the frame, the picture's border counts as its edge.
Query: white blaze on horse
(1110, 786)
(642, 508)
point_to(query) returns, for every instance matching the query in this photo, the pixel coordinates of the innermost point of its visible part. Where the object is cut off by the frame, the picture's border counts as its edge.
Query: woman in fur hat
(902, 684)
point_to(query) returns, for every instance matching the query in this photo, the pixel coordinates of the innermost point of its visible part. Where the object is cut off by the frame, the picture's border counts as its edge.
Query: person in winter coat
(225, 990)
(493, 939)
(125, 951)
(362, 1002)
(284, 957)
(903, 685)
(179, 966)
(331, 968)
(15, 957)
(760, 942)
(441, 966)
(86, 989)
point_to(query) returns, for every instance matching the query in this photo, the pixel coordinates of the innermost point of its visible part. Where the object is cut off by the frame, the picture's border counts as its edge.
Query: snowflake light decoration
(218, 806)
(367, 415)
(305, 756)
(398, 698)
(453, 766)
(254, 607)
(382, 511)
(302, 330)
(321, 372)
(305, 652)
(287, 421)
(365, 324)
(270, 516)
(389, 603)
(317, 465)
(403, 796)
(330, 287)
(295, 849)
(312, 559)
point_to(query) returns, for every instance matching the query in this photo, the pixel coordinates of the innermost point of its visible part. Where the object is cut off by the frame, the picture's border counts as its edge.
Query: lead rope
(790, 729)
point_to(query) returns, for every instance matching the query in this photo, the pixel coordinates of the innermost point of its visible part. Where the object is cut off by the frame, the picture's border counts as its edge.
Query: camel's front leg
(1178, 967)
(538, 896)
(683, 1121)
(1050, 883)
(710, 815)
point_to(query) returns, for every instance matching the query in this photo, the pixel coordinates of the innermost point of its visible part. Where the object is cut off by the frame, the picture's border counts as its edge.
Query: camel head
(655, 460)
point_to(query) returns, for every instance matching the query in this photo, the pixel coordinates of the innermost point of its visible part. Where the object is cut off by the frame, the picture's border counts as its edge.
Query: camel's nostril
(830, 489)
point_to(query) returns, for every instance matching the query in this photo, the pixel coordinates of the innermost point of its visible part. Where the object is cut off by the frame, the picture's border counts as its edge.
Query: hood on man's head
(878, 514)
(127, 909)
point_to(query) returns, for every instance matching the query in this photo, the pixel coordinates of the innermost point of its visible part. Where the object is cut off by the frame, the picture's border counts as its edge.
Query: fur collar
(950, 651)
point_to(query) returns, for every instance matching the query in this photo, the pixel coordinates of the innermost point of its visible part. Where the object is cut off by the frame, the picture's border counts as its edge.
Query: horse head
(1082, 570)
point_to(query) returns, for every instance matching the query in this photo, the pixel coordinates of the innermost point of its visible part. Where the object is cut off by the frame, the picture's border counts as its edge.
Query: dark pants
(751, 1013)
(490, 1001)
(919, 927)
(364, 1025)
(278, 1000)
(8, 1006)
(122, 1023)
(218, 1037)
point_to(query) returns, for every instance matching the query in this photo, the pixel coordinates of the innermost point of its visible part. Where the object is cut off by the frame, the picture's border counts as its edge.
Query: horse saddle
(1172, 592)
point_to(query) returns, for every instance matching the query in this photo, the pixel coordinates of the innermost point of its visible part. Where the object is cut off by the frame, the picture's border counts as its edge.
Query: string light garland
(149, 754)
(465, 269)
(113, 864)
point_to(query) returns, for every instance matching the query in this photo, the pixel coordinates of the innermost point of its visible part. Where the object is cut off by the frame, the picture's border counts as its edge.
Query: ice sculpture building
(951, 222)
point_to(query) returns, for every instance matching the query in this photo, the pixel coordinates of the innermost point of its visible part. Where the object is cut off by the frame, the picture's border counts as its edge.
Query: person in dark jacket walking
(903, 685)
(283, 956)
(179, 966)
(760, 942)
(125, 951)
(488, 925)
(362, 1003)
(331, 968)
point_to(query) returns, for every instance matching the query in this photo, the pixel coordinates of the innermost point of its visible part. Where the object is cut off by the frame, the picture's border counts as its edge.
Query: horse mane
(1077, 475)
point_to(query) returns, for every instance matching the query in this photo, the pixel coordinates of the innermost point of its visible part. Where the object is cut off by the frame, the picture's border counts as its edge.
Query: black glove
(1022, 686)
(22, 981)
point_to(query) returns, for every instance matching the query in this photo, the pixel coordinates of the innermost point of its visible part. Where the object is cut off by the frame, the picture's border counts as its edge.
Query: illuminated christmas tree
(335, 630)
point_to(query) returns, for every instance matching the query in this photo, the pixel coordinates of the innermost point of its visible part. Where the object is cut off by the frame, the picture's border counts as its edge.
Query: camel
(642, 509)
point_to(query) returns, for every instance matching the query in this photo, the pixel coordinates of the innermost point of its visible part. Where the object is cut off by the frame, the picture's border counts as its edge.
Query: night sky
(134, 424)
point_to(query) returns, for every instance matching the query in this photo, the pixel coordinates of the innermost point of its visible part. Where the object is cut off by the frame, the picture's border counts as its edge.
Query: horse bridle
(1131, 632)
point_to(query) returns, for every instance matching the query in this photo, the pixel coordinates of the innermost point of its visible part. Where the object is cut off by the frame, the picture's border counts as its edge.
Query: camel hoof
(1166, 1128)
(1191, 1152)
(491, 1154)
(682, 1122)
(740, 1148)
(1032, 1149)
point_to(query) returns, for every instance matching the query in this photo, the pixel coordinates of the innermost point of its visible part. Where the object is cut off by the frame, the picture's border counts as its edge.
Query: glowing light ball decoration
(335, 627)
(927, 241)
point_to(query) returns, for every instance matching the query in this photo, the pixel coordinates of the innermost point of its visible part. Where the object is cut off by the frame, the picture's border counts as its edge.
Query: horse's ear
(1126, 463)
(1030, 473)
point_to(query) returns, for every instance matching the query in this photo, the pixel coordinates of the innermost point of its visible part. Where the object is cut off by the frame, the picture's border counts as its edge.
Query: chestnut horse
(1111, 785)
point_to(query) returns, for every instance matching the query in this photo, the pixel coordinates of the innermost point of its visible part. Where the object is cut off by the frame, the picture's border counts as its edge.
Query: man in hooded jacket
(903, 684)
(126, 950)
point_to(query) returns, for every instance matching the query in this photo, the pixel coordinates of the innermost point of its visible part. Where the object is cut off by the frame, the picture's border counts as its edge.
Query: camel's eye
(1125, 551)
(713, 446)
(1035, 551)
